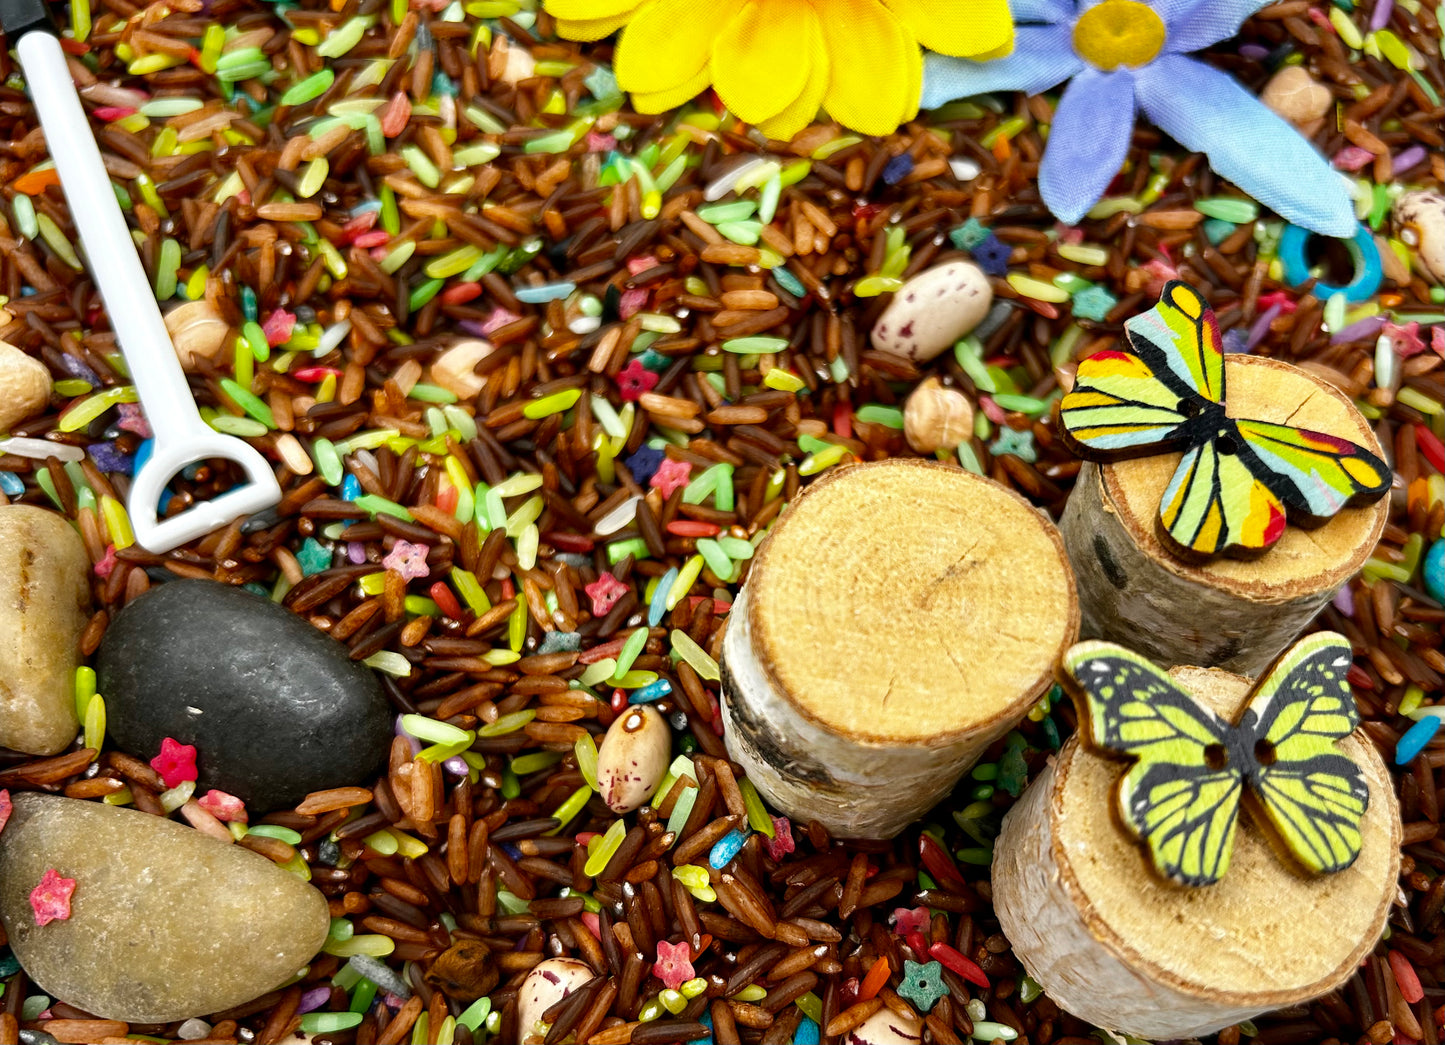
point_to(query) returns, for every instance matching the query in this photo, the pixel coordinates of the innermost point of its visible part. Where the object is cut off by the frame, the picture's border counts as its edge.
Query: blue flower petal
(1205, 110)
(1193, 24)
(1088, 141)
(1043, 56)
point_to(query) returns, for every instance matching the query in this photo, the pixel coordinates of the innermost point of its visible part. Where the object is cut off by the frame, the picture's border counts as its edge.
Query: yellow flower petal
(914, 92)
(650, 102)
(589, 10)
(972, 29)
(590, 29)
(668, 42)
(875, 63)
(759, 61)
(803, 110)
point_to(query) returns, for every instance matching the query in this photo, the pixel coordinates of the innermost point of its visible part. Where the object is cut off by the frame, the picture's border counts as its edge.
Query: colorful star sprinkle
(605, 591)
(223, 806)
(106, 566)
(634, 379)
(781, 844)
(51, 898)
(1018, 443)
(408, 559)
(644, 463)
(922, 984)
(176, 763)
(674, 964)
(910, 920)
(670, 476)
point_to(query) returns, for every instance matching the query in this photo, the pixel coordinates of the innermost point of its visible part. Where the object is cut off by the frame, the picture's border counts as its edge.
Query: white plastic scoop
(181, 437)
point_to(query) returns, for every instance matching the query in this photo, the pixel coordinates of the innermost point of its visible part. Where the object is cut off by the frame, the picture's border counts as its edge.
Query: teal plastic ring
(1363, 252)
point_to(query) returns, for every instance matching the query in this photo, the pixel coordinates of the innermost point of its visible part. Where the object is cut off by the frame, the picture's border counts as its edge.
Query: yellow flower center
(1119, 32)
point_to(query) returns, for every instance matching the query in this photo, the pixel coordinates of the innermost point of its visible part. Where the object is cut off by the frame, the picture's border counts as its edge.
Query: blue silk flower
(1123, 55)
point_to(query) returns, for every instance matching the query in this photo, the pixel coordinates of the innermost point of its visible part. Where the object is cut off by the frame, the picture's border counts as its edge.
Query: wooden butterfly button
(1192, 768)
(1240, 480)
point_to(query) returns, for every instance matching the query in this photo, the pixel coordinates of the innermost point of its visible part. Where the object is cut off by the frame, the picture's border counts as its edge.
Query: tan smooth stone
(24, 386)
(1297, 96)
(198, 332)
(933, 310)
(165, 922)
(454, 368)
(44, 606)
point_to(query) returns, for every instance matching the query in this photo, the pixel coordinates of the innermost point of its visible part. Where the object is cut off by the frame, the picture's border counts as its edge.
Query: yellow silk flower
(775, 63)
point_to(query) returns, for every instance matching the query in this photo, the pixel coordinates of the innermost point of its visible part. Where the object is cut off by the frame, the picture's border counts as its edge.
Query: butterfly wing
(1181, 336)
(1214, 504)
(1120, 408)
(1146, 401)
(1313, 796)
(1313, 474)
(1173, 798)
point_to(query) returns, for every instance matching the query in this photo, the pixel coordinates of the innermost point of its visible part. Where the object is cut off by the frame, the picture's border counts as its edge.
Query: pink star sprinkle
(670, 475)
(106, 566)
(598, 142)
(133, 419)
(278, 327)
(408, 559)
(781, 844)
(223, 806)
(1437, 340)
(176, 763)
(51, 898)
(632, 302)
(6, 806)
(1405, 340)
(674, 964)
(605, 591)
(635, 379)
(499, 318)
(910, 920)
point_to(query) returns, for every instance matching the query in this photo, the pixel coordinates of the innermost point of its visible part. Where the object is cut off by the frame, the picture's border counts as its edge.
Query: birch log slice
(1235, 614)
(1116, 945)
(900, 617)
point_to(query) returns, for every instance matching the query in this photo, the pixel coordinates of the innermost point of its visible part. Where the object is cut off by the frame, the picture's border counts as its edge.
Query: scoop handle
(113, 261)
(181, 437)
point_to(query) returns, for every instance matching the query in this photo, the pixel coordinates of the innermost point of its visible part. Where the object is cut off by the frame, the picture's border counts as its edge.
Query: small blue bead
(1415, 738)
(11, 484)
(727, 847)
(544, 292)
(658, 608)
(350, 488)
(807, 1033)
(650, 692)
(1368, 271)
(897, 169)
(1433, 571)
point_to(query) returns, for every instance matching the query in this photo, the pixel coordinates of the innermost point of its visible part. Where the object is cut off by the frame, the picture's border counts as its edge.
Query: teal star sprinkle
(1093, 303)
(1020, 444)
(313, 557)
(969, 235)
(922, 984)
